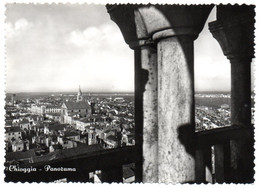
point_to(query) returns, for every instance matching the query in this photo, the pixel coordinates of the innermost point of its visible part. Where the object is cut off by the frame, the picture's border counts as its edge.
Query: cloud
(106, 60)
(41, 57)
(211, 68)
(55, 47)
(212, 75)
(20, 26)
(95, 37)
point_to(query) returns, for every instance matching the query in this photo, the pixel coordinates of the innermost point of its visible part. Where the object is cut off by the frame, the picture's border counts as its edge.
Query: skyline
(122, 92)
(61, 48)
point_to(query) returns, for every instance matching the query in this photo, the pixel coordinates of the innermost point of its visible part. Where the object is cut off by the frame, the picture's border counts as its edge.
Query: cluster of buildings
(37, 128)
(212, 117)
(213, 95)
(44, 128)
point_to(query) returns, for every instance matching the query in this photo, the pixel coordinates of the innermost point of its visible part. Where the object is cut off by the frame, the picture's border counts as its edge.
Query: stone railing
(213, 153)
(212, 161)
(110, 163)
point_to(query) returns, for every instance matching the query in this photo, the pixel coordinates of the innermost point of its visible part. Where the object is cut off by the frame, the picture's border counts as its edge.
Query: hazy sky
(58, 47)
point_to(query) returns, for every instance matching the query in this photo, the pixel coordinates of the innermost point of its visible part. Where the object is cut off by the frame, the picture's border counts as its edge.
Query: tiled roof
(53, 114)
(24, 121)
(73, 113)
(112, 138)
(10, 156)
(16, 142)
(34, 117)
(56, 146)
(85, 120)
(8, 118)
(56, 127)
(52, 106)
(107, 131)
(77, 105)
(72, 152)
(71, 133)
(13, 129)
(8, 123)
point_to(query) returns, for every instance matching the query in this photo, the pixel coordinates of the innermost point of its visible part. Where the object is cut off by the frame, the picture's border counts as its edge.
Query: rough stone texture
(176, 111)
(182, 19)
(235, 34)
(200, 170)
(150, 125)
(124, 17)
(140, 25)
(219, 163)
(242, 151)
(209, 177)
(236, 37)
(241, 91)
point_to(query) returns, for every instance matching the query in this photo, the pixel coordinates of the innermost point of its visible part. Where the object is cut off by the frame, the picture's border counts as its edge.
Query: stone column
(176, 110)
(176, 113)
(236, 38)
(241, 91)
(146, 107)
(173, 158)
(146, 78)
(130, 22)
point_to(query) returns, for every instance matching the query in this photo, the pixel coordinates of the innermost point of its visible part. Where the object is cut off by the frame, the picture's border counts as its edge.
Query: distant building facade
(78, 109)
(44, 109)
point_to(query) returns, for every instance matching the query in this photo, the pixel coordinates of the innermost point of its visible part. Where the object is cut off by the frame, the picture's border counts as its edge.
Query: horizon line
(99, 91)
(70, 92)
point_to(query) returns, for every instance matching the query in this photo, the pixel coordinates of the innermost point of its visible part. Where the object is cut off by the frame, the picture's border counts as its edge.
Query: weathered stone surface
(171, 157)
(176, 111)
(180, 19)
(241, 92)
(200, 170)
(150, 128)
(219, 163)
(242, 151)
(124, 17)
(235, 34)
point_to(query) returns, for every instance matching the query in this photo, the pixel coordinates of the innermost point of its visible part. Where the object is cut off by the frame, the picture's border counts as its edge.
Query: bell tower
(79, 95)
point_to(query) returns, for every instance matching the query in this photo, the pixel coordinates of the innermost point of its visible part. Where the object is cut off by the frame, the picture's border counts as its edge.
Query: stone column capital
(129, 21)
(163, 21)
(140, 24)
(235, 36)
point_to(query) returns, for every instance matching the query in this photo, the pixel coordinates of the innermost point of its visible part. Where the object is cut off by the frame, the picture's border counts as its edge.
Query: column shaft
(241, 92)
(242, 151)
(139, 88)
(219, 163)
(176, 110)
(150, 129)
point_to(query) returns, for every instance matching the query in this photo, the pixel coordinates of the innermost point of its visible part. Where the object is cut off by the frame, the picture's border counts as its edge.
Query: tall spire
(79, 91)
(79, 96)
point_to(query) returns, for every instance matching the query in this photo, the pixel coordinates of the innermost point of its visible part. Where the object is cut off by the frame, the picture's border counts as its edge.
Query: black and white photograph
(129, 93)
